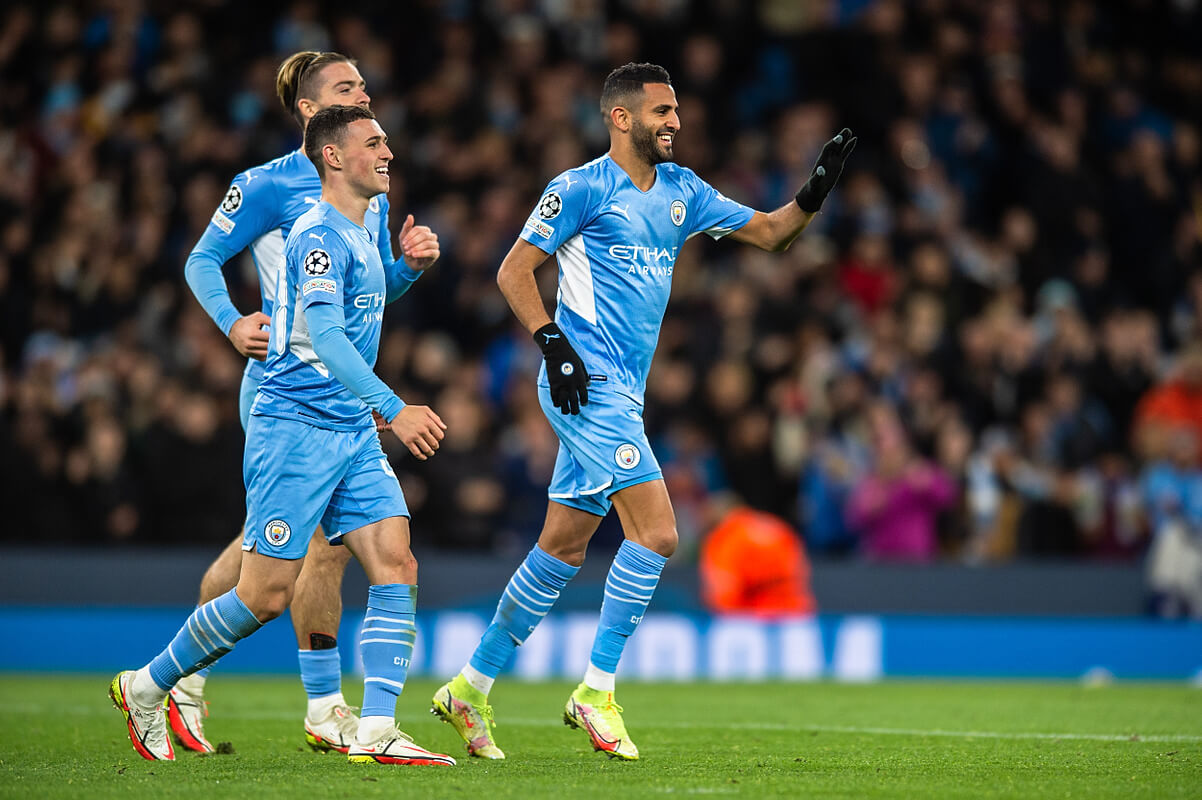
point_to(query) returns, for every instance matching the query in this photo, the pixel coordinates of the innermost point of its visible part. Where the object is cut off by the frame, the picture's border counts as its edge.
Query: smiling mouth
(382, 171)
(665, 139)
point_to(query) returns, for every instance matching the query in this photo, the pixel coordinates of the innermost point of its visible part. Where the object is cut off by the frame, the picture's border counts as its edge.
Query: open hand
(826, 172)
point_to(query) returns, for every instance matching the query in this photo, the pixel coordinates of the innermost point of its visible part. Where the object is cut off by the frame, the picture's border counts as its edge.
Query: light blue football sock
(628, 589)
(531, 593)
(387, 645)
(321, 672)
(211, 632)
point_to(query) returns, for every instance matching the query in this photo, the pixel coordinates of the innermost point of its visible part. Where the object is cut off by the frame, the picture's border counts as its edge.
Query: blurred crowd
(987, 346)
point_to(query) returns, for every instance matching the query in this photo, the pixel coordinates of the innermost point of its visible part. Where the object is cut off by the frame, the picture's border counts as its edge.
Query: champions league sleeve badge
(317, 262)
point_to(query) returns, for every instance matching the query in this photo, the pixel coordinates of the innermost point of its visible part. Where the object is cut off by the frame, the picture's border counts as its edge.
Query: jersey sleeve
(320, 260)
(713, 212)
(247, 211)
(327, 328)
(384, 240)
(397, 275)
(560, 213)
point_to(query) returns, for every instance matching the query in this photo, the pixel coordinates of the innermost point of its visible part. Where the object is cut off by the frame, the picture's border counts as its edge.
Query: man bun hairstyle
(296, 79)
(328, 126)
(626, 82)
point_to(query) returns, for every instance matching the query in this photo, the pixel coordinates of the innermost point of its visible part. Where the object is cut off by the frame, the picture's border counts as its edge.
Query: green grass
(60, 737)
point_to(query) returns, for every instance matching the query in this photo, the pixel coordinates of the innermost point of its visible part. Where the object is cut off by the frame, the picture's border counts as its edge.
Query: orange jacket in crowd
(754, 563)
(1172, 403)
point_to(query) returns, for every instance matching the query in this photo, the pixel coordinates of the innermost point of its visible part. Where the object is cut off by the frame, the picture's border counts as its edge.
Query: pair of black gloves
(566, 372)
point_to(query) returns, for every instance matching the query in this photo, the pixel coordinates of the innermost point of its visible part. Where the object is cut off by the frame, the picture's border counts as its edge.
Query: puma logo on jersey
(623, 210)
(321, 238)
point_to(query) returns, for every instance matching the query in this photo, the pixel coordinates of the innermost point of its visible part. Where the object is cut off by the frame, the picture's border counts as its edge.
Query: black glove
(827, 170)
(565, 370)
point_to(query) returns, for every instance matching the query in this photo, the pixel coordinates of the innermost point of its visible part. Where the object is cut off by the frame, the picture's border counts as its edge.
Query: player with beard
(616, 226)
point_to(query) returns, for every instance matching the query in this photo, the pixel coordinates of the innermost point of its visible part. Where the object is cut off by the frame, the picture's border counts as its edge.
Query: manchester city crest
(677, 211)
(628, 456)
(277, 532)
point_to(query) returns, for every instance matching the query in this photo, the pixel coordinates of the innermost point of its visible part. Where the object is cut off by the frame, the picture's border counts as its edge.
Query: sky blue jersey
(616, 247)
(333, 265)
(258, 212)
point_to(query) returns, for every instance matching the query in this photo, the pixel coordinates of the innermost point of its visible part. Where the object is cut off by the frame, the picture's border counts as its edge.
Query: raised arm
(419, 251)
(776, 230)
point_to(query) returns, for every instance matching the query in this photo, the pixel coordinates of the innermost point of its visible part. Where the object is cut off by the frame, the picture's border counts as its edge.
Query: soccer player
(616, 225)
(258, 212)
(313, 453)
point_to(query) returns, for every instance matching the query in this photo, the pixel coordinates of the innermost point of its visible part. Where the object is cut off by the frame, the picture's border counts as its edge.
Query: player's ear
(307, 108)
(331, 156)
(620, 117)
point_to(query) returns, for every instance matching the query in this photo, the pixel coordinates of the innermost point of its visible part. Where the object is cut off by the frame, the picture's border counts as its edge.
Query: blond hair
(296, 79)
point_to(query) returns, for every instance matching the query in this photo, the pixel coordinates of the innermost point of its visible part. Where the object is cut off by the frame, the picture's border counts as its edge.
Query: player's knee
(570, 555)
(663, 542)
(266, 604)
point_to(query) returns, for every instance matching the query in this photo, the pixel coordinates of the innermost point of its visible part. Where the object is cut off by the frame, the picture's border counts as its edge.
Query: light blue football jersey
(616, 247)
(327, 259)
(258, 211)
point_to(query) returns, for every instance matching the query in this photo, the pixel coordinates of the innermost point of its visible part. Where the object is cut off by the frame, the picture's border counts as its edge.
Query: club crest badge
(277, 532)
(628, 456)
(677, 212)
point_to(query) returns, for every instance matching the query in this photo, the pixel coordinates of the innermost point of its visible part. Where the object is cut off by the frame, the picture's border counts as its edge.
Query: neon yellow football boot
(600, 717)
(465, 709)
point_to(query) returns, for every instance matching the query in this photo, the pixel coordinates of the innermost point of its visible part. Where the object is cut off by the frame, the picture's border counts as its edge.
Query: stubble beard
(647, 146)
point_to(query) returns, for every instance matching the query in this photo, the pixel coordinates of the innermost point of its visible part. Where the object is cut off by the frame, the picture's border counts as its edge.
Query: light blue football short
(602, 450)
(298, 475)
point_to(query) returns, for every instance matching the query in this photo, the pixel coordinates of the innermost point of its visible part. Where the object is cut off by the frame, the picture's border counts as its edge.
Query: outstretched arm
(775, 231)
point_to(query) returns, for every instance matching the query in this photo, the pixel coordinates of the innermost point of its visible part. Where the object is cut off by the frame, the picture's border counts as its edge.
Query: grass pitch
(60, 737)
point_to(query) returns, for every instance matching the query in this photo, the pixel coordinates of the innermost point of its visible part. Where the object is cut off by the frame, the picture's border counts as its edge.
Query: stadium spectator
(894, 509)
(753, 563)
(1027, 167)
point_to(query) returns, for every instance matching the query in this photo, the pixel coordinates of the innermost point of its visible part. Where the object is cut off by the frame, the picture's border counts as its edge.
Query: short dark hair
(627, 81)
(328, 126)
(296, 78)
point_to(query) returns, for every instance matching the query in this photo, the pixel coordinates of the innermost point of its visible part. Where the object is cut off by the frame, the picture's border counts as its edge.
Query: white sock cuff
(598, 679)
(372, 728)
(320, 707)
(478, 680)
(144, 691)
